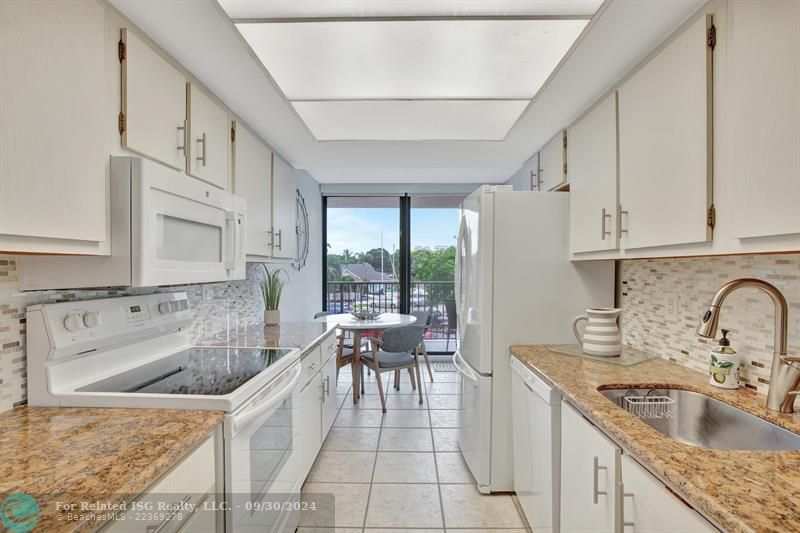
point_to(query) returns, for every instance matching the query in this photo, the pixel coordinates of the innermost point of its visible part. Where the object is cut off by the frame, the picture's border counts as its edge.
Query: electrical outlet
(671, 301)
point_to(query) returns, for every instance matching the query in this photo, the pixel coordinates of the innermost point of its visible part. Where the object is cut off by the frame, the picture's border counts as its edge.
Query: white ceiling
(201, 36)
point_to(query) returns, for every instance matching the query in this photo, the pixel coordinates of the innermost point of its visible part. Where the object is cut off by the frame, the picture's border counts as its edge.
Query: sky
(359, 230)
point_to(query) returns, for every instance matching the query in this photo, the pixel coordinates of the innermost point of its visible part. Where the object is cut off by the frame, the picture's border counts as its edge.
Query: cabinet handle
(620, 212)
(595, 489)
(280, 240)
(603, 231)
(271, 243)
(182, 145)
(327, 385)
(202, 158)
(539, 180)
(622, 507)
(171, 516)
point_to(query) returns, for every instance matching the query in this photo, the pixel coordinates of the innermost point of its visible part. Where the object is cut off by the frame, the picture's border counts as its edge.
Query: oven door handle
(463, 369)
(275, 399)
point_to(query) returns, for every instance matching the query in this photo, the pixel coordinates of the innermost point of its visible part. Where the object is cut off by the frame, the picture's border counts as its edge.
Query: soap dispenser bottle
(724, 368)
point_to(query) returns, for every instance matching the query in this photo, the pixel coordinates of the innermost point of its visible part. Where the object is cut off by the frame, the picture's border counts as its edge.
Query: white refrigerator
(515, 284)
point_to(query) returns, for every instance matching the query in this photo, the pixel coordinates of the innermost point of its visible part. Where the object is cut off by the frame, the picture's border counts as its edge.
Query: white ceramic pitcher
(601, 336)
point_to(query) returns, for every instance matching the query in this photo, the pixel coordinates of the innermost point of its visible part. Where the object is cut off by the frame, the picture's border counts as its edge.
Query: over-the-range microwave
(167, 228)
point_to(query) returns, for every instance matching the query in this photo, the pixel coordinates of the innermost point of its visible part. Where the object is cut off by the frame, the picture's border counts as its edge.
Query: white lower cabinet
(310, 421)
(330, 399)
(649, 507)
(604, 490)
(589, 472)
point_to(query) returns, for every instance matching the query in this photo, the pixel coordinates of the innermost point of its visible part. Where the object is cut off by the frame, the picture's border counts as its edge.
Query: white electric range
(135, 351)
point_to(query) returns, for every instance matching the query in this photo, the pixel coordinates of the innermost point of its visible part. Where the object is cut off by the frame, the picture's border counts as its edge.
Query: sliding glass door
(394, 254)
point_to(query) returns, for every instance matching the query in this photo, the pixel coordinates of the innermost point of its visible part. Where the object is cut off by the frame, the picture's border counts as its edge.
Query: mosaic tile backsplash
(648, 323)
(217, 306)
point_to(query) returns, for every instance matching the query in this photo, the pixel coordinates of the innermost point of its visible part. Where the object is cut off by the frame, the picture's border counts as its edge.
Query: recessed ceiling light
(410, 120)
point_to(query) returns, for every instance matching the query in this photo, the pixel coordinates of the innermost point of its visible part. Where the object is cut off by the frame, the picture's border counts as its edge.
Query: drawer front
(310, 363)
(190, 482)
(328, 346)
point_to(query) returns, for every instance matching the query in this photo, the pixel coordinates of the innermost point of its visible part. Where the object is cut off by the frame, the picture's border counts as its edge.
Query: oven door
(183, 230)
(263, 463)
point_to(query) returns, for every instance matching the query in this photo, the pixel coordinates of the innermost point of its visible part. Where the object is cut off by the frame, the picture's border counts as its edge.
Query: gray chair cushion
(423, 318)
(390, 359)
(402, 339)
(322, 313)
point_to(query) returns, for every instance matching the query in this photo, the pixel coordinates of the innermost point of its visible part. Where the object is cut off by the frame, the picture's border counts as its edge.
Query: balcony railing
(432, 296)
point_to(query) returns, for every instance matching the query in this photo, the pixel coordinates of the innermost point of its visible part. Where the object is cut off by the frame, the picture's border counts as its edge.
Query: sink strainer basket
(651, 407)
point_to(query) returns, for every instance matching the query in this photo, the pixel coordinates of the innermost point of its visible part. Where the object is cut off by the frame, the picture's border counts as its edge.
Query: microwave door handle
(240, 421)
(230, 220)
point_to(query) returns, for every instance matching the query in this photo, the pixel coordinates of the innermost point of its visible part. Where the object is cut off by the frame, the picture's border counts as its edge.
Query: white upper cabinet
(153, 103)
(54, 117)
(284, 209)
(553, 163)
(665, 145)
(253, 182)
(209, 134)
(592, 168)
(648, 507)
(762, 117)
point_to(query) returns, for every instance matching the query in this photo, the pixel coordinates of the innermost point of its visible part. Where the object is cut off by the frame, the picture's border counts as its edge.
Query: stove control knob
(92, 319)
(73, 322)
(164, 308)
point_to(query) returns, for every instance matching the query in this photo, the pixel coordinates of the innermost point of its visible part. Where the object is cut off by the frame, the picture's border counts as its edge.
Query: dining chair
(398, 349)
(424, 318)
(344, 351)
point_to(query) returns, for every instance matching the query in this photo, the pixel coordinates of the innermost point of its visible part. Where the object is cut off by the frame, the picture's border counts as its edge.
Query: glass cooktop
(211, 371)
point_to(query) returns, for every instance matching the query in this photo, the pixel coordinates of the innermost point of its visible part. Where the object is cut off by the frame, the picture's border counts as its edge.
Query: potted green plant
(271, 288)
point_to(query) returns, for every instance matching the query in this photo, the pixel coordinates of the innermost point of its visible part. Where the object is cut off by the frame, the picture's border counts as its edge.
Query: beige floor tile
(367, 401)
(442, 388)
(350, 504)
(359, 418)
(404, 506)
(352, 439)
(342, 467)
(443, 401)
(444, 418)
(405, 467)
(406, 401)
(323, 529)
(405, 440)
(452, 468)
(445, 440)
(445, 377)
(486, 530)
(384, 530)
(465, 507)
(406, 418)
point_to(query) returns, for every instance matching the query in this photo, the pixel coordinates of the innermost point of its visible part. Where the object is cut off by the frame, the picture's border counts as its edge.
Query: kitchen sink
(699, 420)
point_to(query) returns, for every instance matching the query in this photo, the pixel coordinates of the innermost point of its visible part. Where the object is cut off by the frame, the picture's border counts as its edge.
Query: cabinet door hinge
(233, 131)
(711, 37)
(122, 51)
(565, 140)
(711, 217)
(121, 122)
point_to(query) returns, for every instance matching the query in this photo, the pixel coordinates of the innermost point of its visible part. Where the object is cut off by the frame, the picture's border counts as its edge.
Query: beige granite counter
(301, 335)
(738, 490)
(82, 454)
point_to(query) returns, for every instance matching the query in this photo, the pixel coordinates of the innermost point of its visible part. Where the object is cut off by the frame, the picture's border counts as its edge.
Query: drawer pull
(171, 516)
(595, 489)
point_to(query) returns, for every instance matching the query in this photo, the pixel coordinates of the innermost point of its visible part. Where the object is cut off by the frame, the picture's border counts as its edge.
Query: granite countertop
(738, 490)
(84, 454)
(301, 335)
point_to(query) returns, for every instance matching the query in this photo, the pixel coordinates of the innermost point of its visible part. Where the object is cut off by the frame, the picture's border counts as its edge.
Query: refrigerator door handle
(458, 278)
(463, 369)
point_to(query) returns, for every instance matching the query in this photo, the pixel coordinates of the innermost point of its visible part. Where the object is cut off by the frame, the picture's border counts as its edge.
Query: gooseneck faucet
(784, 378)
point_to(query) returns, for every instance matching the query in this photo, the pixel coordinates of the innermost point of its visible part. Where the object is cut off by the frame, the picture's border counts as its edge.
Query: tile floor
(402, 471)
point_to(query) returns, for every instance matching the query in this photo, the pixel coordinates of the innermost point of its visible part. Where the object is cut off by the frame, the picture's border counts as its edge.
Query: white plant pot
(272, 317)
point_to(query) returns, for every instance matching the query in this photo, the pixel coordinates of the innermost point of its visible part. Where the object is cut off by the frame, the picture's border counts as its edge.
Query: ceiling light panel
(412, 59)
(410, 120)
(237, 9)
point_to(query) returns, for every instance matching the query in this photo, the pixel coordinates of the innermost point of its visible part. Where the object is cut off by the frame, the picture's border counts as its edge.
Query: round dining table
(347, 322)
